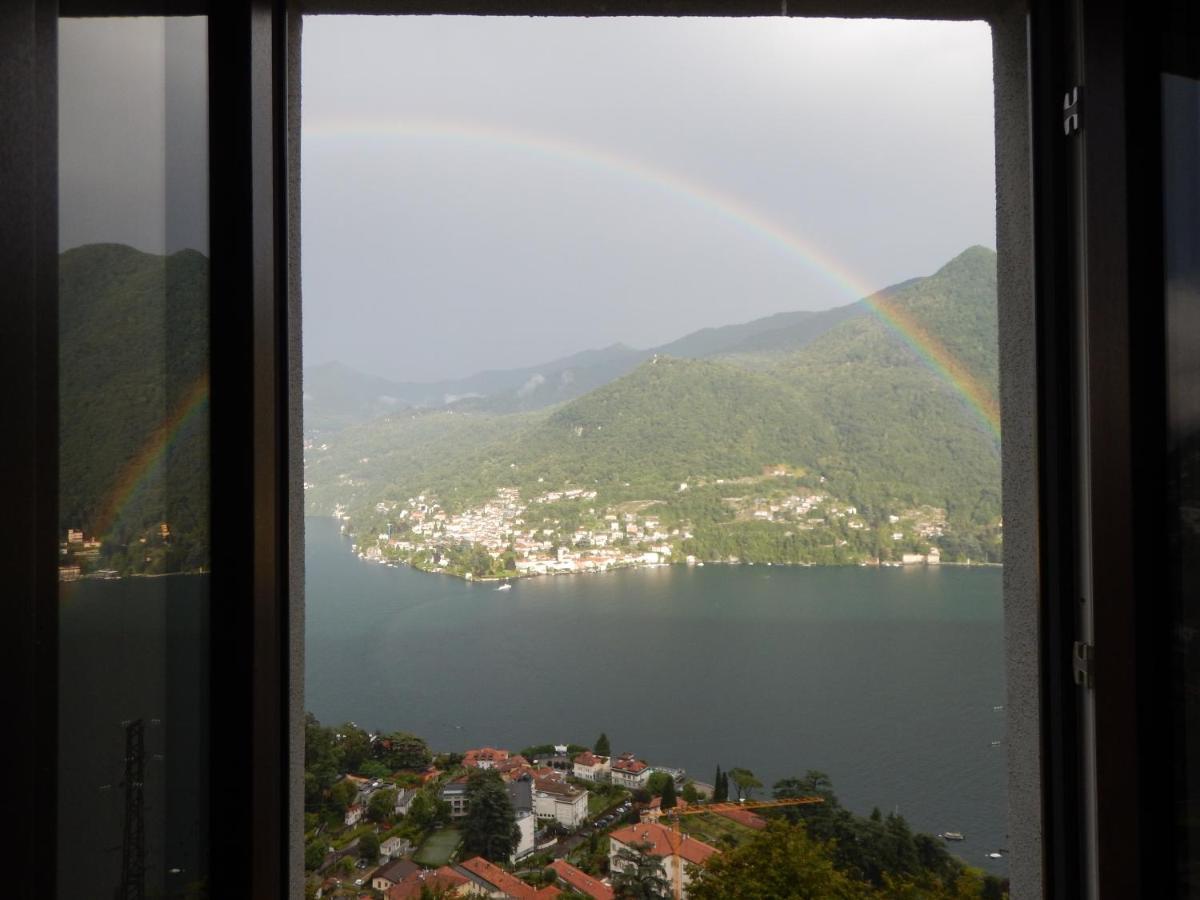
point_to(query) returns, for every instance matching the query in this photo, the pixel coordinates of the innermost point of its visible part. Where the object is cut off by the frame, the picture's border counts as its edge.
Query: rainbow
(153, 449)
(732, 209)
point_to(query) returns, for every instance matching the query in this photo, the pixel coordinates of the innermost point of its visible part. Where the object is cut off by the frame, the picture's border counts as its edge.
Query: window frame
(1071, 365)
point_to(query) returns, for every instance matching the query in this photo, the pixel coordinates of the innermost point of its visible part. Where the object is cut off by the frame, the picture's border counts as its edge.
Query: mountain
(783, 331)
(336, 395)
(839, 400)
(134, 352)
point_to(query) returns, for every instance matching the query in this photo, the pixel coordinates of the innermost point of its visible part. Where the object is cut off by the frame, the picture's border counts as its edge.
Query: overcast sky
(133, 132)
(497, 192)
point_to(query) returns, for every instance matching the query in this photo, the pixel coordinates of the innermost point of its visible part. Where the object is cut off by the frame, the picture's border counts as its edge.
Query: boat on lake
(952, 836)
(505, 587)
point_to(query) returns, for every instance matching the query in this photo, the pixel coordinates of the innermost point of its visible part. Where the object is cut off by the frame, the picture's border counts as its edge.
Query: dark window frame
(1085, 221)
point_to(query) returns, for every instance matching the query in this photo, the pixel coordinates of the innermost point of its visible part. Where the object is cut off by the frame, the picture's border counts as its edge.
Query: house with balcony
(630, 772)
(455, 793)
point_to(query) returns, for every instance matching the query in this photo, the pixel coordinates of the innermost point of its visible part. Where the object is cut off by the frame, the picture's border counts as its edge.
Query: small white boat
(951, 836)
(505, 587)
(995, 854)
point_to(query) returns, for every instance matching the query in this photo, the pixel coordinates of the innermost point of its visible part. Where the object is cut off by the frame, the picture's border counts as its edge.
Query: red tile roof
(662, 840)
(444, 878)
(494, 875)
(473, 758)
(581, 881)
(632, 766)
(590, 759)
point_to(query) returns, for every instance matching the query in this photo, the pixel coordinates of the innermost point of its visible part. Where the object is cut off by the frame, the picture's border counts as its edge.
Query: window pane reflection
(134, 473)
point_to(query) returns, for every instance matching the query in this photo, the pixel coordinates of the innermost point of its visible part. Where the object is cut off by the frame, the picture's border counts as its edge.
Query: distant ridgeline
(885, 409)
(134, 358)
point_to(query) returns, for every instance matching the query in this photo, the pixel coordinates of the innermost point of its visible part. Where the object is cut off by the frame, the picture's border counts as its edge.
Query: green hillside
(853, 412)
(134, 351)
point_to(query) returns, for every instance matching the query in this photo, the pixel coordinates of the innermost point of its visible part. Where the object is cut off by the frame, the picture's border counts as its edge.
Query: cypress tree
(668, 794)
(602, 748)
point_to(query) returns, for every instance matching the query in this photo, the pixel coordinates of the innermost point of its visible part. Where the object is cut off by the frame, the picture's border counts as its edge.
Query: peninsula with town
(801, 439)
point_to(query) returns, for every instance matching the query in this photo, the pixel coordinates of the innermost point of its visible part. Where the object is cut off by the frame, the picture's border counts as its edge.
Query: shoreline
(508, 579)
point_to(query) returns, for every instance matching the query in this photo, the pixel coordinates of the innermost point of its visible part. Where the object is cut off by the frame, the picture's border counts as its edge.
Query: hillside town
(568, 532)
(581, 818)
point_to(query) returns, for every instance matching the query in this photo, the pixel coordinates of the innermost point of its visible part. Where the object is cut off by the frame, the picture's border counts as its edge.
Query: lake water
(886, 679)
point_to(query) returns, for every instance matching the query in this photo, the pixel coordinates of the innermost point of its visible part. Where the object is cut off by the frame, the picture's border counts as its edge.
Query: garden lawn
(710, 828)
(438, 847)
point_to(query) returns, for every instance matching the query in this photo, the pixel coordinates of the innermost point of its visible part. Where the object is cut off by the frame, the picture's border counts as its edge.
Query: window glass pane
(651, 408)
(134, 475)
(1181, 247)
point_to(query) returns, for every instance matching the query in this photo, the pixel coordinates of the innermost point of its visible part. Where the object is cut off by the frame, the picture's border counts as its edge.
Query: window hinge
(1081, 663)
(1072, 111)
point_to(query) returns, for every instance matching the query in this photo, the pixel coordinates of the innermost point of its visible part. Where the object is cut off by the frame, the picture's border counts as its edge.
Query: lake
(886, 679)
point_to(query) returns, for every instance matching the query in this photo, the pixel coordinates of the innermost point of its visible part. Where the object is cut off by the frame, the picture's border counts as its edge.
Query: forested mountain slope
(133, 385)
(854, 409)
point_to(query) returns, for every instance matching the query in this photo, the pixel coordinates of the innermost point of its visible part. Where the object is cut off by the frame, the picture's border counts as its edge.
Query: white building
(554, 798)
(672, 850)
(590, 767)
(527, 828)
(395, 846)
(630, 772)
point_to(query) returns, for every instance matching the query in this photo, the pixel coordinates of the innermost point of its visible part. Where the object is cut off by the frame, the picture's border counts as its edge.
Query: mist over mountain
(336, 395)
(837, 397)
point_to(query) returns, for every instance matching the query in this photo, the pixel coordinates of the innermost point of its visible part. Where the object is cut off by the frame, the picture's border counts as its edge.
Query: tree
(720, 791)
(657, 783)
(353, 746)
(690, 794)
(602, 747)
(781, 861)
(668, 794)
(745, 782)
(373, 768)
(490, 828)
(382, 805)
(342, 794)
(368, 846)
(401, 750)
(314, 855)
(639, 876)
(813, 784)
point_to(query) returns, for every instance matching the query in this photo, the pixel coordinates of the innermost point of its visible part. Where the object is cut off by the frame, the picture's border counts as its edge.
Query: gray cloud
(447, 231)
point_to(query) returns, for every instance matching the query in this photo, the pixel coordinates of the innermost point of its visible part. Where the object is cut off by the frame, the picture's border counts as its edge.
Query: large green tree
(382, 805)
(602, 747)
(637, 875)
(353, 746)
(368, 846)
(401, 750)
(668, 794)
(342, 794)
(490, 828)
(745, 782)
(779, 862)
